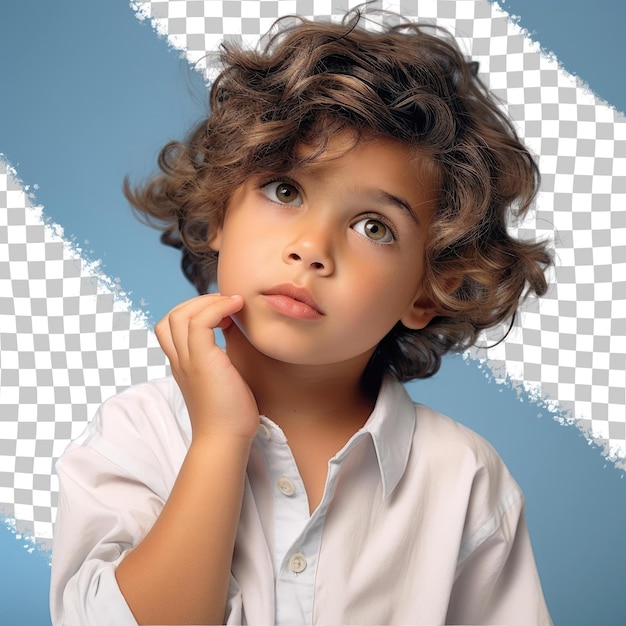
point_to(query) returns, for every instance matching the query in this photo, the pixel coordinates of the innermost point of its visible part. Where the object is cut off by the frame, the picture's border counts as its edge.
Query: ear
(419, 313)
(215, 239)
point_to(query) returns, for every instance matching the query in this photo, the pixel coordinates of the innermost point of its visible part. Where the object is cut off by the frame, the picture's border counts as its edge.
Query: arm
(180, 572)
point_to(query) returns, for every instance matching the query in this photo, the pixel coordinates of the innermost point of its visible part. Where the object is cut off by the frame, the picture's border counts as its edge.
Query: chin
(291, 344)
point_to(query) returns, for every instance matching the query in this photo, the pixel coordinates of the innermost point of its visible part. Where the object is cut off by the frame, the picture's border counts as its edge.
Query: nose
(311, 250)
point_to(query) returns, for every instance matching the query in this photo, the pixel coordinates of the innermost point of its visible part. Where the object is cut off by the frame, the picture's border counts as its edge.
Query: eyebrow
(379, 195)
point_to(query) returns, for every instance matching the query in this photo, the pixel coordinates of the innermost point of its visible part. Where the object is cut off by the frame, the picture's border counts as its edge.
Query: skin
(348, 231)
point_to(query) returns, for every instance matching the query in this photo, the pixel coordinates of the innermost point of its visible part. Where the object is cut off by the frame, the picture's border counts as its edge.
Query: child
(348, 193)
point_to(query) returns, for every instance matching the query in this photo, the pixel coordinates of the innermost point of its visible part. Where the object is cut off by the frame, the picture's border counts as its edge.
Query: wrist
(215, 441)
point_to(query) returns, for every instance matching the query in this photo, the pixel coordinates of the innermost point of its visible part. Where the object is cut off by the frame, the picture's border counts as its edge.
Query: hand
(219, 401)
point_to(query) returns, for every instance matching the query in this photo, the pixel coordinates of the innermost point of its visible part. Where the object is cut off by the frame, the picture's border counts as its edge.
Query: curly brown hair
(310, 80)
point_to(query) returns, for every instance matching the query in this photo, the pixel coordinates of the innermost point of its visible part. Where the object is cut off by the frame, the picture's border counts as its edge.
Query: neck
(302, 396)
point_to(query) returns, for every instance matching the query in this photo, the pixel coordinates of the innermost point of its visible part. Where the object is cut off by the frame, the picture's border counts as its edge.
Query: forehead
(372, 165)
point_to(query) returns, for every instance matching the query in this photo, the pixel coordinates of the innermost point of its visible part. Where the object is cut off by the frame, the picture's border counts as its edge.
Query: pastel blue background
(89, 94)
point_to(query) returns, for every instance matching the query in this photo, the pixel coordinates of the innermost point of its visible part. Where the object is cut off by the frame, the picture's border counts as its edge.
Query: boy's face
(329, 257)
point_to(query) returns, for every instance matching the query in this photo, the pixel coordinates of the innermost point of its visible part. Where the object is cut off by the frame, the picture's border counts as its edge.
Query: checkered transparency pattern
(68, 341)
(570, 347)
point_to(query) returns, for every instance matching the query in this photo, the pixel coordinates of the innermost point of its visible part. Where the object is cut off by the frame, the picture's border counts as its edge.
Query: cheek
(242, 259)
(386, 294)
(393, 283)
(229, 267)
(375, 302)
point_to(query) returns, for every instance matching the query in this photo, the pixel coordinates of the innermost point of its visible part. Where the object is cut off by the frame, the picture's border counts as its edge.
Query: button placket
(290, 504)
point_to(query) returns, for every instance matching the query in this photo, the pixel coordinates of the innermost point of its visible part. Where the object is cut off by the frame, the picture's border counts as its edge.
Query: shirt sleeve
(497, 580)
(102, 513)
(114, 481)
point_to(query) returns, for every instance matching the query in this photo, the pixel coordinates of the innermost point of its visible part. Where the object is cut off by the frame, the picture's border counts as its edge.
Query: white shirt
(419, 523)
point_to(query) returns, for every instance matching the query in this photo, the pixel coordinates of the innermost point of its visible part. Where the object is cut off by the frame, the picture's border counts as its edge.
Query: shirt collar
(391, 426)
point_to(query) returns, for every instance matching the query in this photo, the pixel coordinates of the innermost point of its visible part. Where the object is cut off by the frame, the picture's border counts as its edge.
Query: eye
(375, 230)
(282, 192)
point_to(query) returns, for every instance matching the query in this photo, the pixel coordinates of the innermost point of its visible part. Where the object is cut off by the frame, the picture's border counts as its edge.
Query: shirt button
(297, 563)
(286, 486)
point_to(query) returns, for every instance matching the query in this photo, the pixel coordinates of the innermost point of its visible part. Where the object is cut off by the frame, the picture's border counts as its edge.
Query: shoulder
(465, 467)
(140, 430)
(431, 446)
(156, 404)
(439, 435)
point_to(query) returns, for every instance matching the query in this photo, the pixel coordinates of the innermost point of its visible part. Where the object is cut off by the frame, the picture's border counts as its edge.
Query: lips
(293, 300)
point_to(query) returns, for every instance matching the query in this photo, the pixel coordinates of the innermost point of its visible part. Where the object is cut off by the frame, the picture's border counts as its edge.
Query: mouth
(293, 301)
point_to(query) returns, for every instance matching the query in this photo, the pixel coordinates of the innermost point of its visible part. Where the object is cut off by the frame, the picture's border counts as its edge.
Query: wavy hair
(310, 80)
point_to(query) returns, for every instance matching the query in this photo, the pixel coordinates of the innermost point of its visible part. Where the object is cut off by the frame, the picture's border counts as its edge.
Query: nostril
(295, 257)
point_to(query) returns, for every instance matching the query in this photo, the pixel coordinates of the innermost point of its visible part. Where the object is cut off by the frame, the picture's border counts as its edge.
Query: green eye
(375, 230)
(283, 193)
(286, 193)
